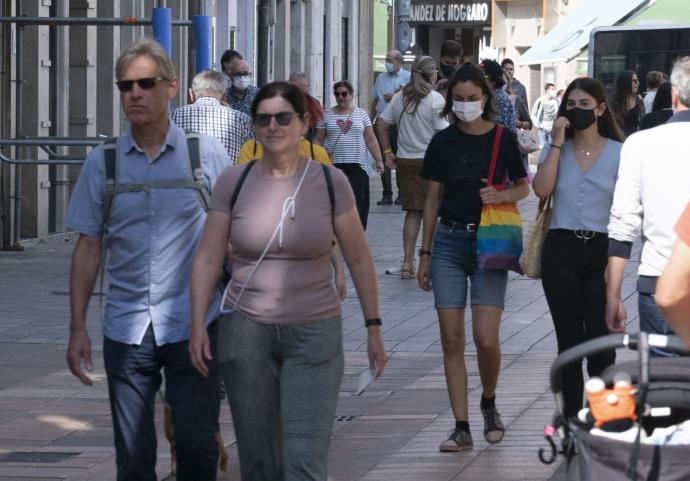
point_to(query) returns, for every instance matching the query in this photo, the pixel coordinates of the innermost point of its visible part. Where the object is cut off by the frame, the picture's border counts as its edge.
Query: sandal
(407, 271)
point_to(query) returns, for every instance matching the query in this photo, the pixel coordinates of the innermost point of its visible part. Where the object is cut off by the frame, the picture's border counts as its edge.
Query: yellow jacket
(253, 150)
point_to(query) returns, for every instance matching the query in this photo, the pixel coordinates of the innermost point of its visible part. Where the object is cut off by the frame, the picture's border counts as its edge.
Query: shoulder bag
(527, 143)
(530, 260)
(499, 235)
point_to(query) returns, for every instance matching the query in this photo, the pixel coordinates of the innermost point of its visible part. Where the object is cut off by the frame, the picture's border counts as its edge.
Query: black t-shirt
(459, 161)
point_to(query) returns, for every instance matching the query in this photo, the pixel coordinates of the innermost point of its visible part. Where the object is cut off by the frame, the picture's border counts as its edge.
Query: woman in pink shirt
(280, 350)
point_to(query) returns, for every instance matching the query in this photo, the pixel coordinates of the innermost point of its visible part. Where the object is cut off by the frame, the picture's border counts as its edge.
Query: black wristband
(372, 322)
(423, 252)
(556, 146)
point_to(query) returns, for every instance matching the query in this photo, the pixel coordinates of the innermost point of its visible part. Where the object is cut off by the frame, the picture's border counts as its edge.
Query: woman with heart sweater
(346, 133)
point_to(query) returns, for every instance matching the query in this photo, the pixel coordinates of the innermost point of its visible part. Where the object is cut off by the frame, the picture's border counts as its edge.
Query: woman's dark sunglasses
(341, 94)
(283, 118)
(143, 83)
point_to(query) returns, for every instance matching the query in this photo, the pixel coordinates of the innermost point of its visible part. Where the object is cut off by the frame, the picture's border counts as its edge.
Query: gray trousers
(282, 383)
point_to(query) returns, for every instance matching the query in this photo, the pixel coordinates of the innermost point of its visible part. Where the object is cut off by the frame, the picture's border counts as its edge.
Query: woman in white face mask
(456, 164)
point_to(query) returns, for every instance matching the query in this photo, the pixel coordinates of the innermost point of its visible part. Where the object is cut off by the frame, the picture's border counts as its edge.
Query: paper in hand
(366, 377)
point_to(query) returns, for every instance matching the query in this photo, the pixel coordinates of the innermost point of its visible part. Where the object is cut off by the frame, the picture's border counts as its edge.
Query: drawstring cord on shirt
(288, 208)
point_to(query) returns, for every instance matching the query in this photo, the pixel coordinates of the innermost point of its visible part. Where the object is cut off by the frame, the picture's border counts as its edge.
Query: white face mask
(468, 111)
(243, 82)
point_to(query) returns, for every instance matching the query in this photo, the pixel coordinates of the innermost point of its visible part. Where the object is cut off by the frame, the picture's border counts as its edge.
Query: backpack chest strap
(160, 184)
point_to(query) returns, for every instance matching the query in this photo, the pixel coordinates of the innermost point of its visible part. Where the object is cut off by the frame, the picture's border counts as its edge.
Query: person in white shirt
(544, 112)
(386, 85)
(650, 195)
(416, 112)
(653, 79)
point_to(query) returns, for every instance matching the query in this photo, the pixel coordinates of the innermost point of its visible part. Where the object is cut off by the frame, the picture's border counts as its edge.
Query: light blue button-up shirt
(152, 236)
(388, 84)
(582, 200)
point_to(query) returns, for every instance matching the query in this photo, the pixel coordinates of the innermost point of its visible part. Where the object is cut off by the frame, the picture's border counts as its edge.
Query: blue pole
(202, 41)
(162, 28)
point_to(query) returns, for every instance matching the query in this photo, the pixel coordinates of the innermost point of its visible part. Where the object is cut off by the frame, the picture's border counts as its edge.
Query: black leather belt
(583, 234)
(459, 225)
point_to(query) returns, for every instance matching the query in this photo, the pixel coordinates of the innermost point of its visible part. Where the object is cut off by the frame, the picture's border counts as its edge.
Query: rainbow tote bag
(499, 235)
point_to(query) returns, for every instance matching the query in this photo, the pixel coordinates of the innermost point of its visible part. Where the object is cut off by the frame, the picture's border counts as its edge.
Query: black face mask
(579, 118)
(447, 70)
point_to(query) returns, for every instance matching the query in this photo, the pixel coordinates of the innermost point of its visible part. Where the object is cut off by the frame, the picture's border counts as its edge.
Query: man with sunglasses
(150, 232)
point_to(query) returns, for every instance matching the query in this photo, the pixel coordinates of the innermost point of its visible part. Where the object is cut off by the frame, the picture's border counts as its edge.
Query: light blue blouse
(582, 200)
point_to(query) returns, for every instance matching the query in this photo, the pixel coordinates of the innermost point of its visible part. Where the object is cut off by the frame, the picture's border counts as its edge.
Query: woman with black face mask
(579, 169)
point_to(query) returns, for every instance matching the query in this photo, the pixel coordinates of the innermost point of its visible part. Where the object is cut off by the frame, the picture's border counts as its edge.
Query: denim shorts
(453, 263)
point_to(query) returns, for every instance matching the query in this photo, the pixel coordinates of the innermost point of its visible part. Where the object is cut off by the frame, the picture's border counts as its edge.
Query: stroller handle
(606, 343)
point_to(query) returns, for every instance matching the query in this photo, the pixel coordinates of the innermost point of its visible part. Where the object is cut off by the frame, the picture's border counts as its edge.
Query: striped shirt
(208, 116)
(345, 138)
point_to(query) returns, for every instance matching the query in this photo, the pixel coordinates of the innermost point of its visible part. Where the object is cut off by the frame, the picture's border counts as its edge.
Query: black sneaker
(385, 200)
(397, 200)
(493, 426)
(458, 440)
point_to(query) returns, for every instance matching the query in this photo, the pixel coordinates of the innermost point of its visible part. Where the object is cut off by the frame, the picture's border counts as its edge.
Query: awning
(569, 37)
(663, 12)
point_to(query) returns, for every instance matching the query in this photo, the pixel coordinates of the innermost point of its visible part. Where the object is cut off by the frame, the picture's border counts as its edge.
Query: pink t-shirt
(294, 283)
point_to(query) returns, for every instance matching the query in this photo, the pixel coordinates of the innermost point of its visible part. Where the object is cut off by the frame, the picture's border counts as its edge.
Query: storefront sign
(457, 13)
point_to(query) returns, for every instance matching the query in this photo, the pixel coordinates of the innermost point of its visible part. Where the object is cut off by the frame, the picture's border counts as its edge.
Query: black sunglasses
(143, 83)
(283, 118)
(341, 94)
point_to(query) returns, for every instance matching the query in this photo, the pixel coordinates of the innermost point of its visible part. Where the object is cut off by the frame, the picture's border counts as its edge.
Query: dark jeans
(652, 321)
(573, 278)
(386, 175)
(134, 377)
(359, 180)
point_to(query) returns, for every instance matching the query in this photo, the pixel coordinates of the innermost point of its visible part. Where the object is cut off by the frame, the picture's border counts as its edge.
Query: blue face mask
(390, 67)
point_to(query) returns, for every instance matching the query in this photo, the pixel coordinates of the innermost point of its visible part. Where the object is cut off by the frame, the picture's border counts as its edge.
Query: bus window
(615, 49)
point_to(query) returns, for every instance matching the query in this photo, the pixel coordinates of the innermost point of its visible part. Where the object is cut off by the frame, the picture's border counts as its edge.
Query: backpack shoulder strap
(194, 158)
(331, 191)
(240, 181)
(110, 167)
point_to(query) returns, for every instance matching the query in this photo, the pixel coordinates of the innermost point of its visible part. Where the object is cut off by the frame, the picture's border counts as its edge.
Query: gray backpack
(112, 187)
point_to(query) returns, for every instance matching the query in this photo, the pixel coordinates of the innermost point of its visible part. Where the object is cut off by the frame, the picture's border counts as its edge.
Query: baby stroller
(661, 386)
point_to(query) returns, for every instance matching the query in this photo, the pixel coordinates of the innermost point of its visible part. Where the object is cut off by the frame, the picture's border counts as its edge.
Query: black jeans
(573, 279)
(134, 377)
(359, 180)
(386, 175)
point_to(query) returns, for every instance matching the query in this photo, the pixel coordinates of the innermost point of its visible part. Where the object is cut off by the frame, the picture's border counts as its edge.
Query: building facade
(434, 21)
(58, 81)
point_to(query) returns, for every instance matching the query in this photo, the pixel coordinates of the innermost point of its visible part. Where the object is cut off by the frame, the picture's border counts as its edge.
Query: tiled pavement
(391, 432)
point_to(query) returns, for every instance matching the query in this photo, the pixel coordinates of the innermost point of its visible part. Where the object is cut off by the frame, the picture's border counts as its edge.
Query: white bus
(639, 48)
